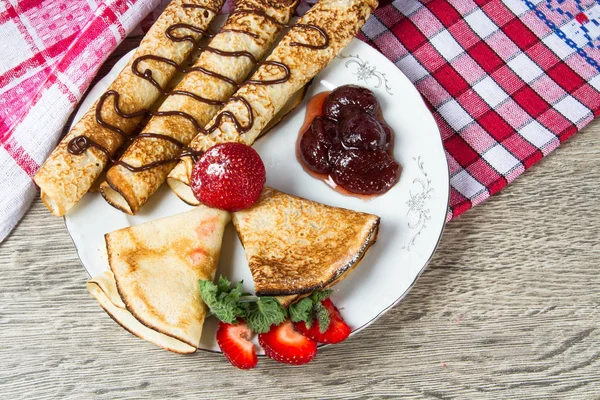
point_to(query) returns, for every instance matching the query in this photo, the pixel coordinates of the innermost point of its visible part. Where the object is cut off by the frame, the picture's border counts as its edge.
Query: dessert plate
(413, 212)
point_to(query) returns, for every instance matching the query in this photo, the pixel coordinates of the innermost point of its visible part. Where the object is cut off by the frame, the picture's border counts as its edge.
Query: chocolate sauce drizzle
(147, 73)
(283, 79)
(312, 46)
(80, 144)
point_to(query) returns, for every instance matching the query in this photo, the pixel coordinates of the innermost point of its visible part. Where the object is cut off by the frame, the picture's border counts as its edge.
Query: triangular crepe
(152, 289)
(104, 289)
(295, 246)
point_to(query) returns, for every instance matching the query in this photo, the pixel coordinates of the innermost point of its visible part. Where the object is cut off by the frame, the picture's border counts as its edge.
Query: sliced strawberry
(284, 344)
(336, 332)
(234, 341)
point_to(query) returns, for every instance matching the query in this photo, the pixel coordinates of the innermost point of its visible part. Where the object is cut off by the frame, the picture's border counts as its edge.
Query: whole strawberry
(229, 176)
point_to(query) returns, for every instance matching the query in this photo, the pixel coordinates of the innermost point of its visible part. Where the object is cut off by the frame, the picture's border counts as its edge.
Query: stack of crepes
(158, 129)
(151, 289)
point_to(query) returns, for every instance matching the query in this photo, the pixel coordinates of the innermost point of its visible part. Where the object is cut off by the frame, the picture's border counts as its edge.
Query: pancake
(304, 52)
(251, 29)
(295, 246)
(67, 175)
(104, 289)
(152, 288)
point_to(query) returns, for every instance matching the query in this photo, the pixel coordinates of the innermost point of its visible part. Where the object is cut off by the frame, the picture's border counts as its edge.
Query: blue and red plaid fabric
(507, 80)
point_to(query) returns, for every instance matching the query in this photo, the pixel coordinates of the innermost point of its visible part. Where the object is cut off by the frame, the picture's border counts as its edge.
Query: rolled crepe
(340, 20)
(152, 286)
(243, 32)
(65, 177)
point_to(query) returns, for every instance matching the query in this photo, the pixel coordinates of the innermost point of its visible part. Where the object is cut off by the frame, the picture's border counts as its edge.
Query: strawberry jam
(346, 142)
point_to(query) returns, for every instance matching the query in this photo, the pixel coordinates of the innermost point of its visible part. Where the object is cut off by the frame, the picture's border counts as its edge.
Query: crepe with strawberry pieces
(152, 286)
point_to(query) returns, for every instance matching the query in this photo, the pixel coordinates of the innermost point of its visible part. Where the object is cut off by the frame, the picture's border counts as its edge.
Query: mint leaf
(229, 303)
(322, 315)
(319, 295)
(208, 291)
(301, 311)
(310, 309)
(263, 313)
(222, 300)
(223, 284)
(236, 291)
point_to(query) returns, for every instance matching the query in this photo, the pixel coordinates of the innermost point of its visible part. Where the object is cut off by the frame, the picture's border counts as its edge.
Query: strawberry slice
(336, 332)
(234, 341)
(284, 344)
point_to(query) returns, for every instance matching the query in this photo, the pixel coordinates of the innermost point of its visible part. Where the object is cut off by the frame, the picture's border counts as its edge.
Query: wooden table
(508, 308)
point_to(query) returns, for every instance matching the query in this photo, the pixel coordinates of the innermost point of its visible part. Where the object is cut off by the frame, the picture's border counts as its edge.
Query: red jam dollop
(346, 142)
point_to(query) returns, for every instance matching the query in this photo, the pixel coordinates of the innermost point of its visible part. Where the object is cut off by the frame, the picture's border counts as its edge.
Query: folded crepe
(304, 51)
(295, 246)
(152, 286)
(65, 177)
(247, 35)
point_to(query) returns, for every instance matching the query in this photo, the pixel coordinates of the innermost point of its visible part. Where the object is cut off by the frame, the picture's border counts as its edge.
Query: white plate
(412, 213)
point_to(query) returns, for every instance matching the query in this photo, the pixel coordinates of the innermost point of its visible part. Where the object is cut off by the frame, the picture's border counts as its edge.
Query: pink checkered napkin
(49, 53)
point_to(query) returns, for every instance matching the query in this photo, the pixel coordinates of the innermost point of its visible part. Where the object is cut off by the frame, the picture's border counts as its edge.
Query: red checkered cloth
(507, 80)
